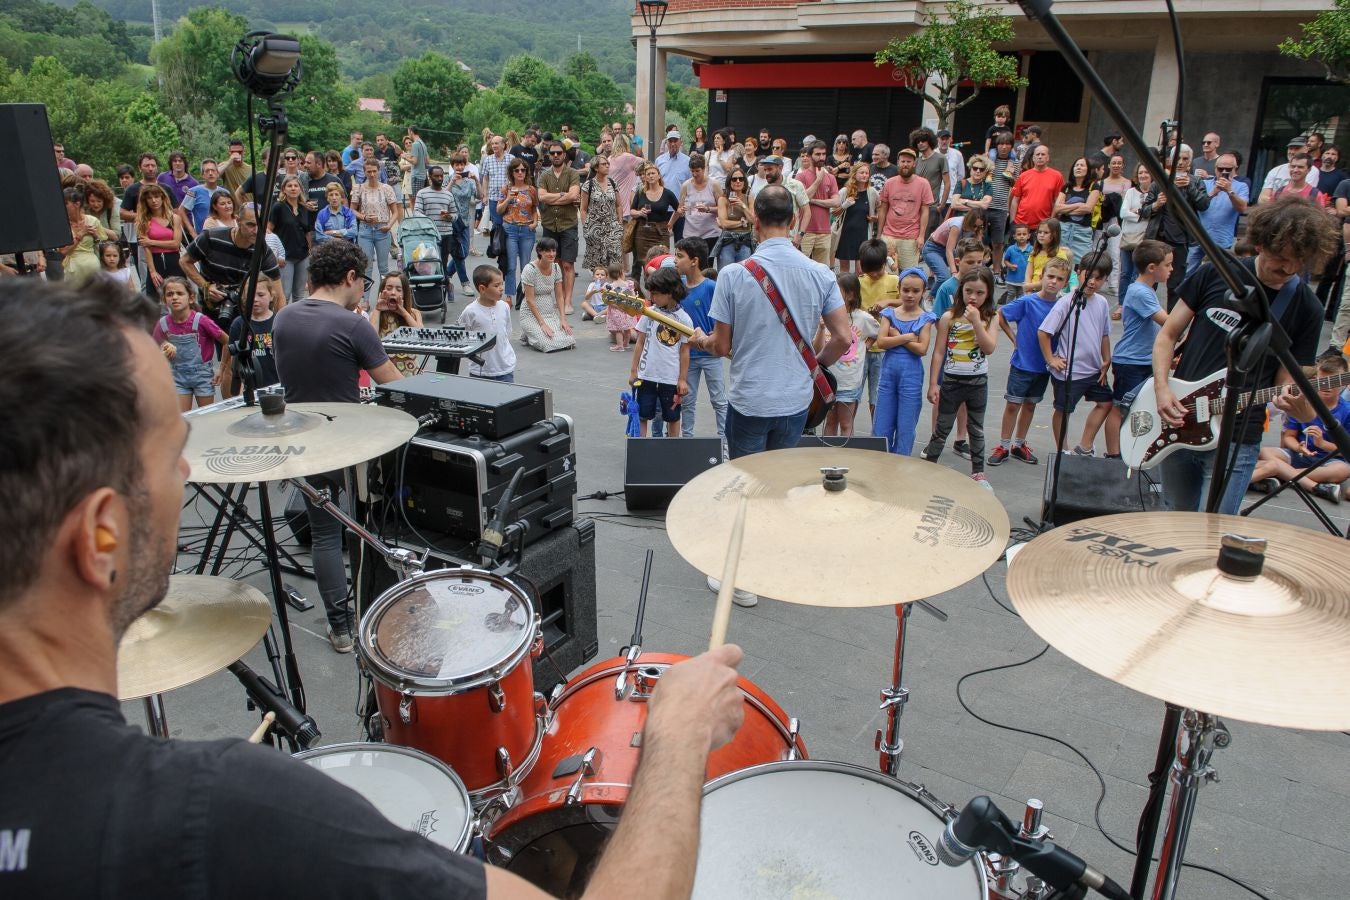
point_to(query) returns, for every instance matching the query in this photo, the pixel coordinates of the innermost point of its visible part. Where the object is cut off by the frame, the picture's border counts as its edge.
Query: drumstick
(722, 613)
(257, 735)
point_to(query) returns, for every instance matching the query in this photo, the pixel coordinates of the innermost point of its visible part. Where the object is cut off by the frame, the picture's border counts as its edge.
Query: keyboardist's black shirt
(321, 349)
(93, 808)
(1203, 353)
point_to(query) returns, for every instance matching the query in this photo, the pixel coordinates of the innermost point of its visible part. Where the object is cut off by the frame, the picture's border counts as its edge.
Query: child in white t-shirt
(661, 355)
(488, 313)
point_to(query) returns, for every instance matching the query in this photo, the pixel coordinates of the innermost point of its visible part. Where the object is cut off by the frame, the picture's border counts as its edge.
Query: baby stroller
(420, 245)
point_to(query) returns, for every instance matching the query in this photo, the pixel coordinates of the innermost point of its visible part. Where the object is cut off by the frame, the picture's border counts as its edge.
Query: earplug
(104, 541)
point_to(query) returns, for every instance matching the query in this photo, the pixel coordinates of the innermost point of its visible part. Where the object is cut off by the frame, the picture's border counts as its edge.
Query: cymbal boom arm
(403, 561)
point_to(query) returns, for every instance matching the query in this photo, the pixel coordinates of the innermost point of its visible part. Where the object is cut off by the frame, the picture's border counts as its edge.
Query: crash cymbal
(247, 444)
(896, 530)
(203, 624)
(1176, 606)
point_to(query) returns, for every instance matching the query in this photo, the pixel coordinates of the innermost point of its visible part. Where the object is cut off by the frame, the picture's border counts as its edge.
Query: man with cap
(673, 164)
(905, 203)
(956, 164)
(1278, 177)
(771, 172)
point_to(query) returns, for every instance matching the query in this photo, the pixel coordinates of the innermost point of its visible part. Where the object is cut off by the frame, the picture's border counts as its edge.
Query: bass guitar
(1146, 440)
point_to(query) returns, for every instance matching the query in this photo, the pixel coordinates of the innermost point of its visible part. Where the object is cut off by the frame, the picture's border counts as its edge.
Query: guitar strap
(808, 355)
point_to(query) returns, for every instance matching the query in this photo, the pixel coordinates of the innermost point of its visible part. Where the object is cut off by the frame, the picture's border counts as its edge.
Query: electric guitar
(1146, 440)
(636, 306)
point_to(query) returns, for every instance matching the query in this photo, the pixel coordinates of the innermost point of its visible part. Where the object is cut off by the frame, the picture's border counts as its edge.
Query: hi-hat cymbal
(897, 529)
(243, 444)
(1177, 606)
(203, 624)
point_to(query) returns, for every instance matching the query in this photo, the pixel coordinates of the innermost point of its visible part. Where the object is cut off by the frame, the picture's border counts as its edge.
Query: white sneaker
(738, 596)
(468, 290)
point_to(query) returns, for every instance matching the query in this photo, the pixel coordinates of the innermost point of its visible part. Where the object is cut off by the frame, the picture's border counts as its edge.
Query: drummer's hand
(699, 697)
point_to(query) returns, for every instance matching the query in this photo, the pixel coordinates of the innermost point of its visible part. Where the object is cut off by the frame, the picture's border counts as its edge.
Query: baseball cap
(673, 136)
(771, 160)
(1297, 141)
(906, 151)
(944, 133)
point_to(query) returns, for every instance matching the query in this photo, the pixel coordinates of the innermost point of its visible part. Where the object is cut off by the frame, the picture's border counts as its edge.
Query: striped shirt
(494, 170)
(1002, 186)
(431, 203)
(222, 261)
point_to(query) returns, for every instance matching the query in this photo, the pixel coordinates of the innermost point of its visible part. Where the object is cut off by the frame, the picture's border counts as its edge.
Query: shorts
(648, 393)
(905, 251)
(996, 225)
(194, 381)
(1125, 381)
(1081, 389)
(853, 395)
(1300, 460)
(567, 243)
(1026, 387)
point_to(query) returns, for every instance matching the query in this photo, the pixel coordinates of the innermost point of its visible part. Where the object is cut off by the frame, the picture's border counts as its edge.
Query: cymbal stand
(893, 699)
(1201, 734)
(155, 719)
(403, 561)
(239, 517)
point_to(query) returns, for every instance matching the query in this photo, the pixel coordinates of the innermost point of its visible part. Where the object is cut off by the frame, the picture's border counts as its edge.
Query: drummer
(322, 346)
(93, 478)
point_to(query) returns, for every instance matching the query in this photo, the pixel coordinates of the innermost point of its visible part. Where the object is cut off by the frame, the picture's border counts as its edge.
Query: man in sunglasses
(559, 204)
(321, 348)
(1228, 200)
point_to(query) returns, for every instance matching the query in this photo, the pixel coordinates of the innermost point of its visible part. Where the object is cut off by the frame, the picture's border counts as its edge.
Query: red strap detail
(808, 355)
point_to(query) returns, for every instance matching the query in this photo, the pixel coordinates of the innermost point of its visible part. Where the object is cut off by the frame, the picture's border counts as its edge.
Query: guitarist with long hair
(1291, 236)
(774, 373)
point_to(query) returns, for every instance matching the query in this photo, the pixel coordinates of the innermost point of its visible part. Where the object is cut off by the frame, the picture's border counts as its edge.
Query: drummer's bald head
(69, 410)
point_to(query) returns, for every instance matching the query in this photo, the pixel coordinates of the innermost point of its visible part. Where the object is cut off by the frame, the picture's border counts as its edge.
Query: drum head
(821, 829)
(409, 788)
(446, 629)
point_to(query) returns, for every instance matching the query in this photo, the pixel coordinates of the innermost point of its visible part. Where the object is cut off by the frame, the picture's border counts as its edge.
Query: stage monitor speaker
(1093, 486)
(35, 216)
(853, 442)
(658, 467)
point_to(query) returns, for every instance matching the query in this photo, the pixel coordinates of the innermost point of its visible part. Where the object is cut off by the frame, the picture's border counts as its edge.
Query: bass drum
(554, 832)
(825, 829)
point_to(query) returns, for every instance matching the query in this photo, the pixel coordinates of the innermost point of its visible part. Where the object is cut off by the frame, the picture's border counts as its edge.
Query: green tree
(156, 132)
(1326, 40)
(379, 85)
(88, 117)
(430, 92)
(202, 137)
(501, 109)
(954, 48)
(193, 63)
(322, 107)
(579, 65)
(602, 102)
(523, 73)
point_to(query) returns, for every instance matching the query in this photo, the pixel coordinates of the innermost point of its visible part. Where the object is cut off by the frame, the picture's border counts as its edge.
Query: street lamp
(653, 14)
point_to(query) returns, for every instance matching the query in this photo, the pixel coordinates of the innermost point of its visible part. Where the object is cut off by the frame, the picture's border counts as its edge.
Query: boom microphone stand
(1258, 333)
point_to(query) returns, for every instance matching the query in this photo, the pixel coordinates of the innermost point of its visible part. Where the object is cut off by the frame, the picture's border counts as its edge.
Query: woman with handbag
(600, 221)
(1133, 226)
(737, 240)
(655, 208)
(856, 220)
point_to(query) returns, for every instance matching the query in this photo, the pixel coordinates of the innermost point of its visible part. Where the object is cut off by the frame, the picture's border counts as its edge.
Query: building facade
(806, 66)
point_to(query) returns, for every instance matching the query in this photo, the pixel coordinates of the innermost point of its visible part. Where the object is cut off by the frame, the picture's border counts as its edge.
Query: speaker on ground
(658, 467)
(1094, 486)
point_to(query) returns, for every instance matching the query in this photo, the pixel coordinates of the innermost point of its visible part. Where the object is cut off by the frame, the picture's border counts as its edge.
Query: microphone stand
(1259, 332)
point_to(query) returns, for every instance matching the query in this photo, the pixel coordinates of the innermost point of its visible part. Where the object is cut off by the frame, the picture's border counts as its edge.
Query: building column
(644, 75)
(1162, 88)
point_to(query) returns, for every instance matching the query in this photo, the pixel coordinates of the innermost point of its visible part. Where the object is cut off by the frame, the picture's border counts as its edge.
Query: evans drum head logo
(466, 590)
(249, 460)
(923, 848)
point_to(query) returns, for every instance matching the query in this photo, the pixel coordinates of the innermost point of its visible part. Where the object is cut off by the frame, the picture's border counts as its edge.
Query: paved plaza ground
(1278, 817)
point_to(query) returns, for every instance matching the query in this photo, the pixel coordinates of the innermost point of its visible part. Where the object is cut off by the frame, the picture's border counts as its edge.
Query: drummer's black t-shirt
(321, 349)
(91, 807)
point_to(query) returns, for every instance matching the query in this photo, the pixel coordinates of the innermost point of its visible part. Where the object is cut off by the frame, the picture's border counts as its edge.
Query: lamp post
(653, 14)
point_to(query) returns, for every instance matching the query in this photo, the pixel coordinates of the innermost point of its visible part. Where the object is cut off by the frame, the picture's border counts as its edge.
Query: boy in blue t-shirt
(1015, 260)
(1141, 318)
(969, 254)
(691, 255)
(1028, 376)
(1303, 443)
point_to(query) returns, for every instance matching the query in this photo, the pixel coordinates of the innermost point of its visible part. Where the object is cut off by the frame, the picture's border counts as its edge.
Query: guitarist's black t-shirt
(1203, 352)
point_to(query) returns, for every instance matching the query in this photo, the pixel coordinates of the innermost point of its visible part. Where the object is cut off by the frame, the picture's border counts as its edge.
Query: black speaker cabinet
(35, 216)
(853, 442)
(658, 467)
(1093, 486)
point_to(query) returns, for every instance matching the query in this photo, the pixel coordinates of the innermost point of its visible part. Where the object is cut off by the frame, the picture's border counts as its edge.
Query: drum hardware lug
(405, 709)
(496, 697)
(794, 728)
(1035, 889)
(542, 711)
(1032, 827)
(621, 683)
(1004, 869)
(505, 768)
(556, 694)
(644, 682)
(537, 644)
(588, 763)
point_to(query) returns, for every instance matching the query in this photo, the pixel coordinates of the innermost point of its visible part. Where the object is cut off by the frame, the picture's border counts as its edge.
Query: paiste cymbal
(203, 624)
(900, 530)
(243, 444)
(1141, 599)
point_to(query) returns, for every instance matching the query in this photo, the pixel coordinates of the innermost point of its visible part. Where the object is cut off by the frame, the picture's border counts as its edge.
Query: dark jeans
(330, 572)
(1186, 475)
(754, 434)
(973, 391)
(452, 252)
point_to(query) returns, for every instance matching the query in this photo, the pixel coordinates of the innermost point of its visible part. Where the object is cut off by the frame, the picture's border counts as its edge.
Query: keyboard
(443, 340)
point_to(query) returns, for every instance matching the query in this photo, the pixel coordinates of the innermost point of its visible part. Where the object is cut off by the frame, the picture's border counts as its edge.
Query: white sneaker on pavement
(739, 597)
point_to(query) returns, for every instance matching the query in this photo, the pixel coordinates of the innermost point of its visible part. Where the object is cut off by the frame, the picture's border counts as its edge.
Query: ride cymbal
(246, 444)
(1180, 607)
(879, 529)
(203, 624)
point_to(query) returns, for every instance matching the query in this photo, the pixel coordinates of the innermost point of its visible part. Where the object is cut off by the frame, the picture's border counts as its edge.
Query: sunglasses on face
(1223, 171)
(738, 179)
(977, 168)
(557, 153)
(290, 158)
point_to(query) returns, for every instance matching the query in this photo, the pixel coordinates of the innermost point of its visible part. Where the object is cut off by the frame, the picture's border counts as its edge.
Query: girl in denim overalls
(185, 336)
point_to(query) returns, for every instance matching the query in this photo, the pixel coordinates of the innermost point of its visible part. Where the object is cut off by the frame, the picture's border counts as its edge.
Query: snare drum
(408, 787)
(450, 652)
(825, 829)
(568, 805)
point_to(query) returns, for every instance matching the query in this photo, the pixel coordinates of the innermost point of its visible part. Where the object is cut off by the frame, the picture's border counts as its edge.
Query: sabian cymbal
(244, 444)
(899, 530)
(203, 624)
(1166, 604)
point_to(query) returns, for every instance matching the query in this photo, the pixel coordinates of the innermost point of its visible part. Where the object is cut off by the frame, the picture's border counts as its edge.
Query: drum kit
(465, 751)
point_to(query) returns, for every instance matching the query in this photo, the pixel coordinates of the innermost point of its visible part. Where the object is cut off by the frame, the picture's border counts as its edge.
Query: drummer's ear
(91, 533)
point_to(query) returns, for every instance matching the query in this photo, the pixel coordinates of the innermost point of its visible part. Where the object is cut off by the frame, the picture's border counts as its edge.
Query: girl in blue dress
(905, 332)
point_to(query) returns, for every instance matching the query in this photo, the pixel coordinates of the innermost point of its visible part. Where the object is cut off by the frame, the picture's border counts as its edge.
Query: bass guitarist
(1291, 236)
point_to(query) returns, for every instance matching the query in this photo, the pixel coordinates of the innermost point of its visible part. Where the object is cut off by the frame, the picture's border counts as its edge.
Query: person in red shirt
(1033, 194)
(905, 201)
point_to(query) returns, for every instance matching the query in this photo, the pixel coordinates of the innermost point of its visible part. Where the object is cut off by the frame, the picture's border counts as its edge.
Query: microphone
(494, 535)
(299, 727)
(1112, 230)
(983, 826)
